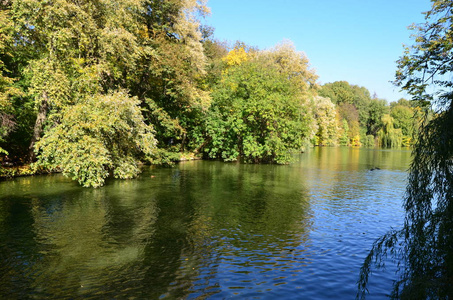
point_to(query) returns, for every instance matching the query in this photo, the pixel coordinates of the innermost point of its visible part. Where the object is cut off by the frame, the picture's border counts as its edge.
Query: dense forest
(94, 88)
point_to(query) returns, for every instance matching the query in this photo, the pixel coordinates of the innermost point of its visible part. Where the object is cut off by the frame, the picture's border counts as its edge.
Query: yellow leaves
(325, 119)
(236, 57)
(233, 86)
(407, 141)
(6, 84)
(292, 63)
(355, 141)
(100, 133)
(187, 26)
(49, 78)
(143, 32)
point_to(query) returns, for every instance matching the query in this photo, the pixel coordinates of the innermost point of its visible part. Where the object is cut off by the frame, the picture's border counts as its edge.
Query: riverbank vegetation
(94, 88)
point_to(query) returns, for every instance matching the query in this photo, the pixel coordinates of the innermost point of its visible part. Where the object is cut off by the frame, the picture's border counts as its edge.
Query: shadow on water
(201, 228)
(218, 224)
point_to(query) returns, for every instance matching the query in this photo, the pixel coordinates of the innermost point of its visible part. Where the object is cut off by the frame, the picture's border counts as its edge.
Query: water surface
(204, 230)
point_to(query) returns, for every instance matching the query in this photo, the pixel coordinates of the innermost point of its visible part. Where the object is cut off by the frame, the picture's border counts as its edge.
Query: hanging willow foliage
(388, 136)
(423, 248)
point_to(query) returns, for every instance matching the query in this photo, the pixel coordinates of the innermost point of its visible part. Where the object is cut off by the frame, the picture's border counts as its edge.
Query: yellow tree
(325, 115)
(83, 57)
(293, 64)
(236, 57)
(7, 90)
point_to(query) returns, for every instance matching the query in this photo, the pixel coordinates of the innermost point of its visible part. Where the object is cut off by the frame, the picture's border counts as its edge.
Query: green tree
(80, 52)
(362, 101)
(350, 114)
(344, 133)
(257, 115)
(172, 75)
(99, 134)
(423, 247)
(338, 91)
(377, 109)
(6, 88)
(405, 119)
(214, 51)
(16, 109)
(388, 136)
(72, 50)
(343, 92)
(369, 111)
(80, 48)
(402, 102)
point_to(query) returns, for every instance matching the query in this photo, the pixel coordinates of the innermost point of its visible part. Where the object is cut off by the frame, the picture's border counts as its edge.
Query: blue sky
(353, 40)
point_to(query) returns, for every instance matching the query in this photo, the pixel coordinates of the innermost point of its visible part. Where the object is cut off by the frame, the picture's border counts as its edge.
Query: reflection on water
(203, 229)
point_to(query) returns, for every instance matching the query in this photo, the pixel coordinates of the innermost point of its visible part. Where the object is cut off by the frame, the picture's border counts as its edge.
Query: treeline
(369, 121)
(94, 87)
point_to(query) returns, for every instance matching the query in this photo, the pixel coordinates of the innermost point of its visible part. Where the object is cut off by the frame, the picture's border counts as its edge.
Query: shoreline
(7, 173)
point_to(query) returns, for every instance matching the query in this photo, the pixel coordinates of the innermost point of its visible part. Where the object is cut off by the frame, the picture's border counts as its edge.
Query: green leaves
(7, 88)
(257, 115)
(425, 63)
(72, 53)
(102, 133)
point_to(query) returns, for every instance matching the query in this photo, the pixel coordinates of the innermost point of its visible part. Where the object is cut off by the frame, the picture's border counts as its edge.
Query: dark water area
(204, 230)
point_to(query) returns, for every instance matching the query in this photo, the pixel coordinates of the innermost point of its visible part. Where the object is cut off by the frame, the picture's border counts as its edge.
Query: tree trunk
(39, 124)
(183, 142)
(202, 145)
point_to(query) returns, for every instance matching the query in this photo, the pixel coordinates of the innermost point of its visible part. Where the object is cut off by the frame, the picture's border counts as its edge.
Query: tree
(6, 88)
(405, 119)
(236, 57)
(423, 247)
(261, 108)
(350, 114)
(258, 112)
(75, 48)
(402, 102)
(369, 111)
(151, 50)
(326, 119)
(338, 91)
(171, 76)
(388, 136)
(377, 109)
(344, 133)
(214, 51)
(293, 64)
(80, 53)
(99, 134)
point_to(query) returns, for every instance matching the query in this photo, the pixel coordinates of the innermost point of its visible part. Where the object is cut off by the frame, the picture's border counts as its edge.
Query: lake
(205, 230)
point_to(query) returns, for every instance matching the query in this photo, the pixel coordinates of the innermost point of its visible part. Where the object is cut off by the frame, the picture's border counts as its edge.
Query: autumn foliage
(94, 88)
